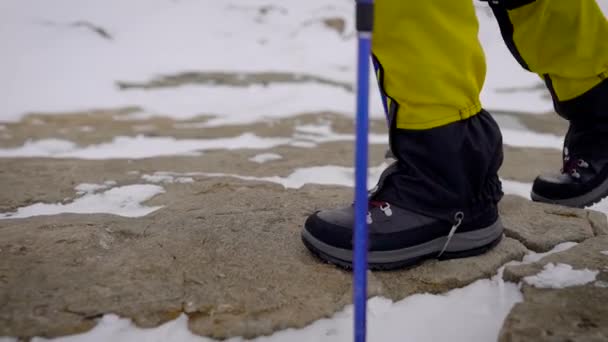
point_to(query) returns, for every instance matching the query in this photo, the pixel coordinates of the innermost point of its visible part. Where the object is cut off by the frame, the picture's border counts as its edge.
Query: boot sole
(462, 245)
(582, 201)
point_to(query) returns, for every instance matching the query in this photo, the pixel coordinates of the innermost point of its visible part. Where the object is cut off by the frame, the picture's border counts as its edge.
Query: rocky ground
(227, 251)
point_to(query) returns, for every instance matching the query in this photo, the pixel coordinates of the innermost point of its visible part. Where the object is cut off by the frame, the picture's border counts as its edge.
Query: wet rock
(577, 313)
(587, 254)
(440, 276)
(598, 223)
(571, 314)
(224, 251)
(541, 226)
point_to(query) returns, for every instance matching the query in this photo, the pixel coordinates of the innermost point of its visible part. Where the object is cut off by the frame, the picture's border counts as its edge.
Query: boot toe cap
(329, 232)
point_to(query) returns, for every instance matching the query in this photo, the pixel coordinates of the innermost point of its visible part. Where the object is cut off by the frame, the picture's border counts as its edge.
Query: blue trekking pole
(365, 16)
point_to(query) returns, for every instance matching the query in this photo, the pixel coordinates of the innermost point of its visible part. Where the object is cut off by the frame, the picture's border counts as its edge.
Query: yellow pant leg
(432, 65)
(564, 41)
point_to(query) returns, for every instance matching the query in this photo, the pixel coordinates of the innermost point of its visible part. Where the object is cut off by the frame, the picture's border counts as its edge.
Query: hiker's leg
(448, 149)
(432, 64)
(566, 44)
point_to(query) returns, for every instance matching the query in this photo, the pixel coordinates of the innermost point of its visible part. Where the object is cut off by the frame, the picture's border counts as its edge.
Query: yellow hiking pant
(432, 66)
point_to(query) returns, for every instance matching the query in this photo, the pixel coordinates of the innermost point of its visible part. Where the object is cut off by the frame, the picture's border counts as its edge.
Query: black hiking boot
(399, 237)
(583, 179)
(438, 200)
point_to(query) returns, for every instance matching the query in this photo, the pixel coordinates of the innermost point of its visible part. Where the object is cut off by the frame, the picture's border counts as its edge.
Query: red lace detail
(570, 165)
(377, 204)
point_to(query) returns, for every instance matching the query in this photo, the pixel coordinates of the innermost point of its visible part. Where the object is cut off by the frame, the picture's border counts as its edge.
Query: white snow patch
(138, 147)
(255, 103)
(141, 146)
(144, 128)
(322, 133)
(338, 175)
(265, 157)
(560, 275)
(159, 177)
(40, 148)
(604, 252)
(91, 187)
(303, 144)
(183, 180)
(518, 138)
(511, 187)
(189, 125)
(601, 206)
(86, 129)
(324, 175)
(534, 257)
(481, 307)
(601, 283)
(122, 201)
(287, 38)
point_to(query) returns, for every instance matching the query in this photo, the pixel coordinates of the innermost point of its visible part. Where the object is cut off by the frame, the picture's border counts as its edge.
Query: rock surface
(577, 313)
(540, 226)
(225, 251)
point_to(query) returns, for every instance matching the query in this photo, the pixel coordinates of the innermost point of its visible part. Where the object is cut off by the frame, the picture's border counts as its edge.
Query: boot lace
(385, 207)
(572, 165)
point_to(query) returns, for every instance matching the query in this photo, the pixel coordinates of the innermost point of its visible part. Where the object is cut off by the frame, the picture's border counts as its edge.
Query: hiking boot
(399, 237)
(583, 179)
(437, 200)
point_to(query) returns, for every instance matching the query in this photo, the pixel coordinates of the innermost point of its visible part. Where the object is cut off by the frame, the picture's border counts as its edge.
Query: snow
(86, 129)
(123, 201)
(520, 138)
(557, 276)
(305, 136)
(601, 206)
(422, 317)
(336, 175)
(80, 67)
(138, 147)
(265, 157)
(323, 133)
(534, 256)
(511, 187)
(141, 146)
(92, 187)
(324, 175)
(165, 178)
(604, 252)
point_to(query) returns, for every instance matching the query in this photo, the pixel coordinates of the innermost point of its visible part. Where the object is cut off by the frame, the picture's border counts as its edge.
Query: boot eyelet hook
(582, 163)
(459, 216)
(386, 209)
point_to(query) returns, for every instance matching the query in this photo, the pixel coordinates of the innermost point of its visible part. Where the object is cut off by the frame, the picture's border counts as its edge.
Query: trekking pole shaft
(364, 28)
